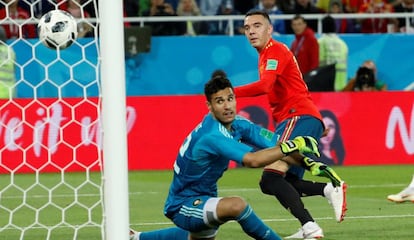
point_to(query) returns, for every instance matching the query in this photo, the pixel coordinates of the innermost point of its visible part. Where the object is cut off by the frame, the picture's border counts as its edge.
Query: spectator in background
(75, 8)
(331, 145)
(159, 8)
(307, 7)
(366, 79)
(271, 8)
(323, 5)
(376, 25)
(352, 6)
(406, 6)
(190, 8)
(7, 67)
(243, 6)
(209, 7)
(343, 25)
(305, 47)
(143, 6)
(333, 49)
(287, 6)
(11, 10)
(131, 9)
(39, 7)
(91, 7)
(87, 5)
(222, 27)
(173, 3)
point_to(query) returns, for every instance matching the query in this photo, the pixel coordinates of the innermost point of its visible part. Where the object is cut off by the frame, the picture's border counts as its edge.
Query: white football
(57, 29)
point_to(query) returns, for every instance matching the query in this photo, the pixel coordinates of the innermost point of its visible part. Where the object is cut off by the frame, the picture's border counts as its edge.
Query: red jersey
(282, 81)
(305, 47)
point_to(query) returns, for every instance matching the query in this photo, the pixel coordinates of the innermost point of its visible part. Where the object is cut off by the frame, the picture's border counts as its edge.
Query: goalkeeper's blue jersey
(205, 154)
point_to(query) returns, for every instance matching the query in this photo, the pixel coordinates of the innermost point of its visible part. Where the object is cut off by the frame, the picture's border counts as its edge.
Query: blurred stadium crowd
(32, 9)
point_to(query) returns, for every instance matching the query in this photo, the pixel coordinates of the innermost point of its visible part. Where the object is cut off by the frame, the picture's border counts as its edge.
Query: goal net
(50, 133)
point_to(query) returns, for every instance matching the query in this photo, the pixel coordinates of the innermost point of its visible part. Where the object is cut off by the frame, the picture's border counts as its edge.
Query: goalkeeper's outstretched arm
(292, 148)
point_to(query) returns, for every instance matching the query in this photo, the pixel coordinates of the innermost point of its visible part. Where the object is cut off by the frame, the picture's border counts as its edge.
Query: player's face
(223, 106)
(258, 31)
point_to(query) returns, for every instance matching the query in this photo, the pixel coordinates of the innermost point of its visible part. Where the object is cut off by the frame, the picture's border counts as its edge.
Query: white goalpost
(63, 142)
(114, 120)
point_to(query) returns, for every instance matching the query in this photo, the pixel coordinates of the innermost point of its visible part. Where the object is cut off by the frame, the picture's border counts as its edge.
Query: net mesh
(50, 131)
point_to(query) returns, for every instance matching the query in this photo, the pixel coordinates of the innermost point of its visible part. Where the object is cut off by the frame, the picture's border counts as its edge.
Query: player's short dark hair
(216, 84)
(258, 12)
(218, 72)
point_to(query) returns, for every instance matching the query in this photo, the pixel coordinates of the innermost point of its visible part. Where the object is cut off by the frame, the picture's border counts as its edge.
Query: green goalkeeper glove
(305, 144)
(322, 170)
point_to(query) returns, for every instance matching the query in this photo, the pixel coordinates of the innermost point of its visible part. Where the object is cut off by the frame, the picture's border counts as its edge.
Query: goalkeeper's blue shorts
(299, 126)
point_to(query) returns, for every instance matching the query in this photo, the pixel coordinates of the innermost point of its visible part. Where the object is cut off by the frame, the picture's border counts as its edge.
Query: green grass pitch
(370, 216)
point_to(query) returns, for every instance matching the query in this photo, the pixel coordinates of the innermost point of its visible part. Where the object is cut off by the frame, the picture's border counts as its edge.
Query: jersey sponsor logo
(271, 64)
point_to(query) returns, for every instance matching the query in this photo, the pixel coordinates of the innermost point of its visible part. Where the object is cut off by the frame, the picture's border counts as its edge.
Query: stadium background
(159, 73)
(165, 100)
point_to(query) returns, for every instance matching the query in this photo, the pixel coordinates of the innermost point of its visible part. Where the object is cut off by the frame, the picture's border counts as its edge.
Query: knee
(264, 185)
(268, 182)
(230, 207)
(238, 206)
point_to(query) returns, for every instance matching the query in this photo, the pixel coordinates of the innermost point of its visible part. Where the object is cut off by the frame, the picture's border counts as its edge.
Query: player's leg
(160, 234)
(235, 208)
(407, 194)
(335, 195)
(195, 216)
(273, 180)
(202, 217)
(188, 218)
(274, 183)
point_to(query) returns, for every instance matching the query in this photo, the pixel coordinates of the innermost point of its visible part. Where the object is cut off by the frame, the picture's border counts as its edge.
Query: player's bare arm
(267, 156)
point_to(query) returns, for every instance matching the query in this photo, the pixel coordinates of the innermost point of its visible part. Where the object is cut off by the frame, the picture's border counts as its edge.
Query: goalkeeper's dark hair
(258, 12)
(216, 84)
(218, 72)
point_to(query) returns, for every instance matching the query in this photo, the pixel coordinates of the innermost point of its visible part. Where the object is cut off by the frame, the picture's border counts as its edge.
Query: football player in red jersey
(295, 114)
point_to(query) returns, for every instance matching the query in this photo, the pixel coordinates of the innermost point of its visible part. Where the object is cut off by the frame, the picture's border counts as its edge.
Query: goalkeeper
(193, 203)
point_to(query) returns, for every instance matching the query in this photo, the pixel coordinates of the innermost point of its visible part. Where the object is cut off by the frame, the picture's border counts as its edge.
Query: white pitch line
(291, 219)
(257, 189)
(221, 190)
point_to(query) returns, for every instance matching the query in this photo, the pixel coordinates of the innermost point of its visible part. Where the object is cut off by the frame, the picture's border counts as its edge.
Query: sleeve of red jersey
(260, 87)
(267, 77)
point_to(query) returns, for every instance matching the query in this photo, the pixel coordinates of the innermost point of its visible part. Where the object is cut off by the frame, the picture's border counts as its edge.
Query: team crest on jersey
(197, 202)
(271, 64)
